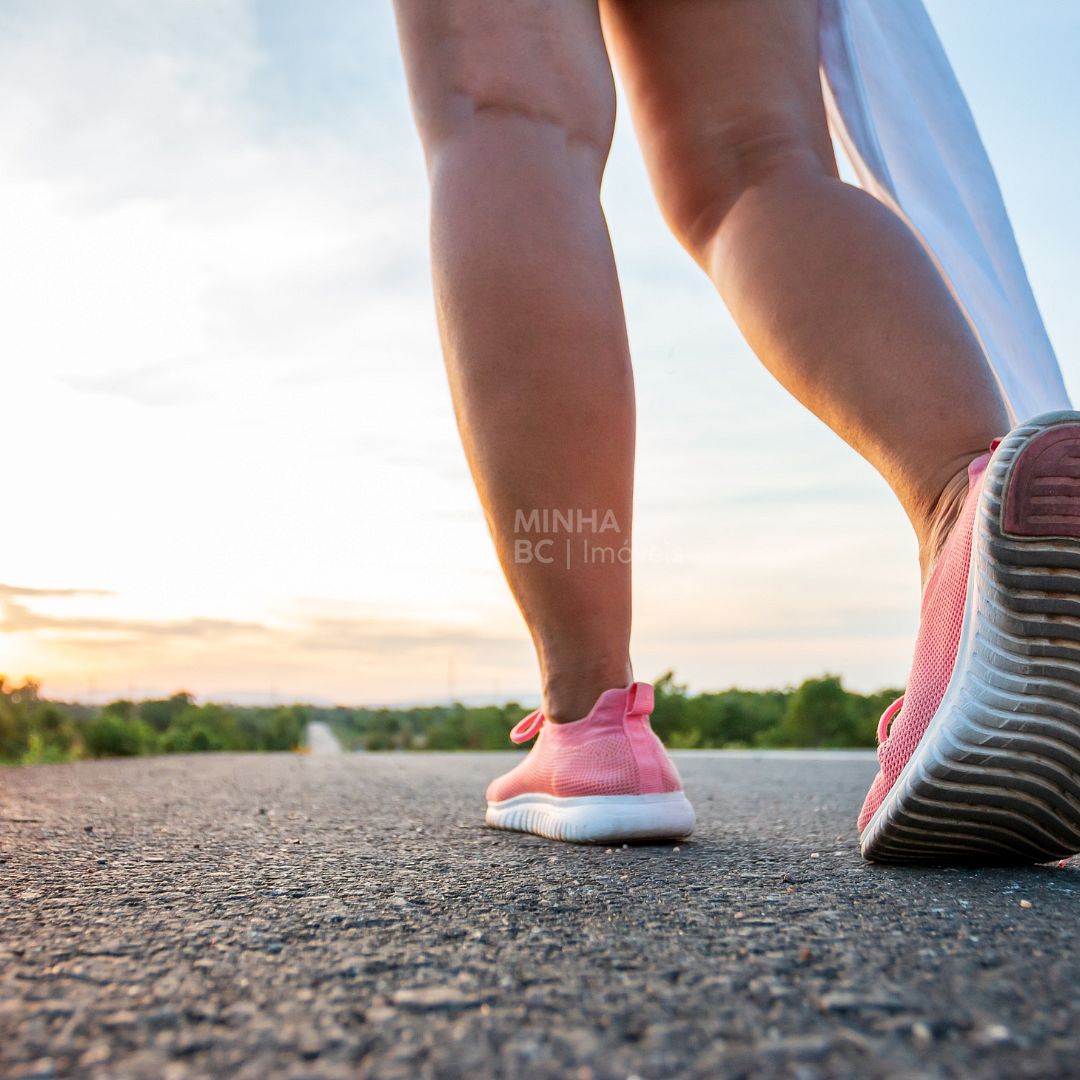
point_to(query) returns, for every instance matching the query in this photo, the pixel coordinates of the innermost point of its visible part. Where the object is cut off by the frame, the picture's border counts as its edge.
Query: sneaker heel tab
(639, 699)
(977, 466)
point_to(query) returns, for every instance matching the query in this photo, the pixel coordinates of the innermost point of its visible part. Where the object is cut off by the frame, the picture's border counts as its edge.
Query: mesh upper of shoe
(936, 645)
(612, 751)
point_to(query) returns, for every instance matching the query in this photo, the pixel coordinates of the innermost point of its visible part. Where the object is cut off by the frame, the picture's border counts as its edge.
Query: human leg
(515, 105)
(832, 290)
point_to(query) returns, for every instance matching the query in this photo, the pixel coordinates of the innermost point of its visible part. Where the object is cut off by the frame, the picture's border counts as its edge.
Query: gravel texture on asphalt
(281, 916)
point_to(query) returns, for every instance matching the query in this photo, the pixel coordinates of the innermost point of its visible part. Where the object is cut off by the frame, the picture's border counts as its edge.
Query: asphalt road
(340, 916)
(321, 739)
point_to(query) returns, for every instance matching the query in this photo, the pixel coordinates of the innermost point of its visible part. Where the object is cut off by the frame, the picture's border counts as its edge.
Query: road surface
(321, 739)
(338, 916)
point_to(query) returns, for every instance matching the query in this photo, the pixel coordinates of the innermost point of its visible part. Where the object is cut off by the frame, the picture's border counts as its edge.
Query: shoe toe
(503, 787)
(874, 798)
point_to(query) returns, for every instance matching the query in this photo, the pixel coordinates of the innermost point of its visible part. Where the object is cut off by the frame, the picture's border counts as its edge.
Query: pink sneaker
(982, 761)
(601, 779)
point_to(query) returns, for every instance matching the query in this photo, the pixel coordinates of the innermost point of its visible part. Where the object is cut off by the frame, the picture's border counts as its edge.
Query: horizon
(237, 465)
(268, 699)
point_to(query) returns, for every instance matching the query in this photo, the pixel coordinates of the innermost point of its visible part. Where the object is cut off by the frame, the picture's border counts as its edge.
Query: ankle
(944, 512)
(570, 695)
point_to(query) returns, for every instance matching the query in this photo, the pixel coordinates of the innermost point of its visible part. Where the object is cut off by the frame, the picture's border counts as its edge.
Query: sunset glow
(232, 465)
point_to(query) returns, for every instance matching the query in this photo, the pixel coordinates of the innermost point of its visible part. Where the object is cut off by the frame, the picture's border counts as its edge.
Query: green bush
(161, 714)
(113, 735)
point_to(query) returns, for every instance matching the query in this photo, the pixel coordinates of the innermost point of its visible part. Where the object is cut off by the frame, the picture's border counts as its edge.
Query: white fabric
(896, 108)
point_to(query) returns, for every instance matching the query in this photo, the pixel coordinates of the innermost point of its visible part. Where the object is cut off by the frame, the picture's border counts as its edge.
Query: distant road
(321, 740)
(276, 916)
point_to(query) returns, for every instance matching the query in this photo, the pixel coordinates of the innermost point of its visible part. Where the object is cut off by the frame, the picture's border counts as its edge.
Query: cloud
(306, 629)
(18, 618)
(20, 590)
(397, 637)
(155, 384)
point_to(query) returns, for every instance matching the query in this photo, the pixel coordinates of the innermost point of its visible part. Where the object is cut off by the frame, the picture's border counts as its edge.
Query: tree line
(34, 730)
(820, 712)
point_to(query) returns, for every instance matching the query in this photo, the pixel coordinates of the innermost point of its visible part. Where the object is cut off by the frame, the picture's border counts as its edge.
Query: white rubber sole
(996, 777)
(596, 819)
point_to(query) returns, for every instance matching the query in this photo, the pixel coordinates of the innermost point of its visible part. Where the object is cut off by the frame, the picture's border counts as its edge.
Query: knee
(580, 111)
(490, 95)
(700, 176)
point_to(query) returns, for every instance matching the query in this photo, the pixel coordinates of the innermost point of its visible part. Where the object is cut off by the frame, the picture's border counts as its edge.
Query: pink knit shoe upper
(612, 751)
(935, 651)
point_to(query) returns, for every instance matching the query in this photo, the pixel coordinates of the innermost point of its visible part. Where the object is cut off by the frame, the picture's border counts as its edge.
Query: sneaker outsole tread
(596, 819)
(996, 777)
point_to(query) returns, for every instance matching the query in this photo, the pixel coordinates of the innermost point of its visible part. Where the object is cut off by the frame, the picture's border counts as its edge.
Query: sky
(230, 460)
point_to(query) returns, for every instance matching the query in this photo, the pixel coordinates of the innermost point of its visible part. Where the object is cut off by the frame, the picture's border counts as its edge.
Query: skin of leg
(515, 104)
(830, 288)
